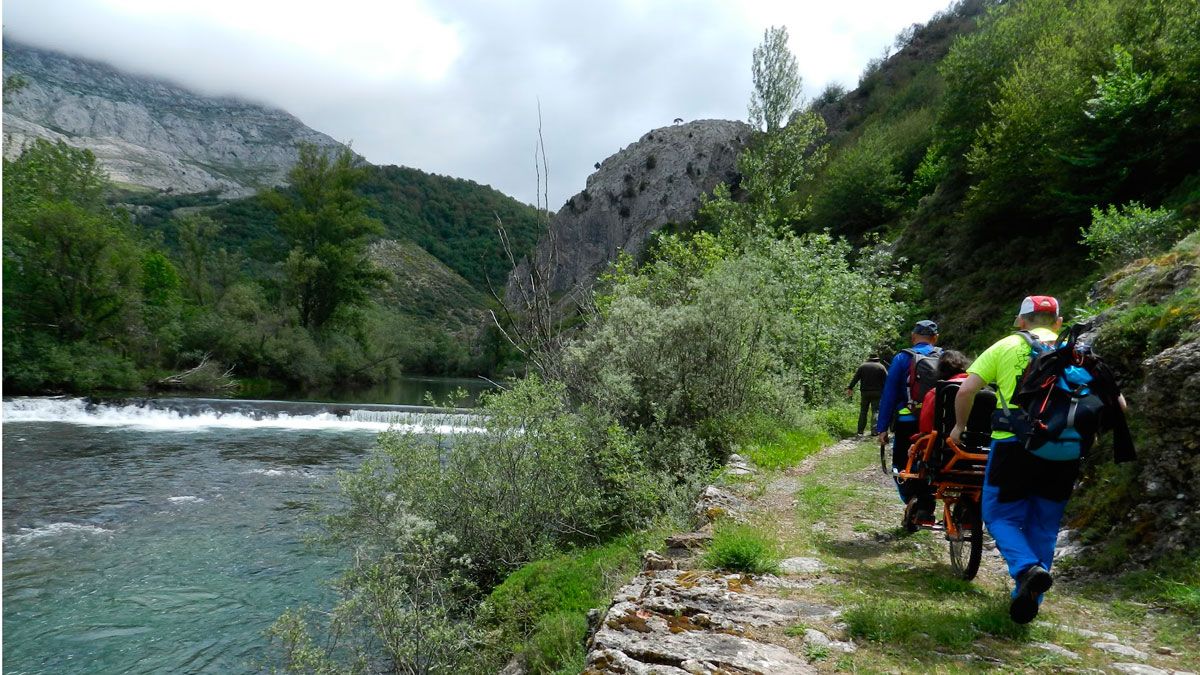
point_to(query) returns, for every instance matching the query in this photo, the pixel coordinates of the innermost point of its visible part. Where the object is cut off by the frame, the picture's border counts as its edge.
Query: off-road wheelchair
(955, 473)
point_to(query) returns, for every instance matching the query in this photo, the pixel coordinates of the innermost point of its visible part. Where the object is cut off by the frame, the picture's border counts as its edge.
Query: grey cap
(925, 327)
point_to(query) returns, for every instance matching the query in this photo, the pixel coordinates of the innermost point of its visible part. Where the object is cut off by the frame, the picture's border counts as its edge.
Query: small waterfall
(194, 414)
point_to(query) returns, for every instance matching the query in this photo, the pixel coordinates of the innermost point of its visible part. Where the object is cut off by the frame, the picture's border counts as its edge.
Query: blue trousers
(1025, 530)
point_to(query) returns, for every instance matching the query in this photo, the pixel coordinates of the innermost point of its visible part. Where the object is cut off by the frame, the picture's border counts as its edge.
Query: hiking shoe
(1031, 584)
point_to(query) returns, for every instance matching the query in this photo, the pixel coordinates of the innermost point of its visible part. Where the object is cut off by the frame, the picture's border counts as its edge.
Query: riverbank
(887, 600)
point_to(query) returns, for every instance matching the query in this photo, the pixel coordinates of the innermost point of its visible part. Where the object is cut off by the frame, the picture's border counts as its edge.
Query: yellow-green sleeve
(986, 365)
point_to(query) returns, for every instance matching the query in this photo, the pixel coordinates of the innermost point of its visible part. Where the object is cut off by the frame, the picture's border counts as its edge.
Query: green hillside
(453, 219)
(984, 142)
(321, 285)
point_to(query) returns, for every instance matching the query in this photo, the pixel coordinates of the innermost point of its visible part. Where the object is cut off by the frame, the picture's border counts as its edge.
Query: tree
(70, 264)
(326, 224)
(776, 81)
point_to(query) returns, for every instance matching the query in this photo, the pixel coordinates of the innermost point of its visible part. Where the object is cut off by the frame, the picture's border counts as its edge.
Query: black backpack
(922, 375)
(1056, 411)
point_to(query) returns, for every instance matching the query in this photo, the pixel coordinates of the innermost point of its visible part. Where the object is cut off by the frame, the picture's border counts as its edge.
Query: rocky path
(857, 594)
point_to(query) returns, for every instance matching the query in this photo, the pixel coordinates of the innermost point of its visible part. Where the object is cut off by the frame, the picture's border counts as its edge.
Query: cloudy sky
(453, 87)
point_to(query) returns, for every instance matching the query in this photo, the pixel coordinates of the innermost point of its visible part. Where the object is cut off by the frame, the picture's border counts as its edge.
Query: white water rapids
(182, 414)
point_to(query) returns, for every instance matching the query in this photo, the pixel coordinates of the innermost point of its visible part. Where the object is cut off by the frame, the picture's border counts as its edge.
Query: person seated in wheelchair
(938, 415)
(951, 368)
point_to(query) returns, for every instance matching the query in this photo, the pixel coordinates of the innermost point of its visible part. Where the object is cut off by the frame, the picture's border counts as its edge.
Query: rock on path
(697, 622)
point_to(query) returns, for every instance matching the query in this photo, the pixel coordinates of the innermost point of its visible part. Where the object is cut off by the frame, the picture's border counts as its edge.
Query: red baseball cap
(1040, 304)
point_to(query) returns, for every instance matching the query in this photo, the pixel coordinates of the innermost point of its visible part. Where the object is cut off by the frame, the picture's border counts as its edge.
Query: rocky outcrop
(1170, 464)
(1161, 378)
(673, 622)
(147, 132)
(650, 183)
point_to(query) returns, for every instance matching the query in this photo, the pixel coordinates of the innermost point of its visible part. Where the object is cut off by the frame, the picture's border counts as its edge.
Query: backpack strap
(1035, 343)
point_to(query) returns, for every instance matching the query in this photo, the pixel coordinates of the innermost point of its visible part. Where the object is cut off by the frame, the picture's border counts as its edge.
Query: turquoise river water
(166, 535)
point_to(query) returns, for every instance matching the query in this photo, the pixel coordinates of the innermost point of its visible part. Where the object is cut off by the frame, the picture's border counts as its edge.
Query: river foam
(25, 534)
(203, 414)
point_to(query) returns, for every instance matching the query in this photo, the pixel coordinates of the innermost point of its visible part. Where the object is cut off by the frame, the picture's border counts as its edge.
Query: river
(165, 535)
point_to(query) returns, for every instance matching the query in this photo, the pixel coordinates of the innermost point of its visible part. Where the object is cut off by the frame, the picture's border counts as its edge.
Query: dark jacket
(872, 375)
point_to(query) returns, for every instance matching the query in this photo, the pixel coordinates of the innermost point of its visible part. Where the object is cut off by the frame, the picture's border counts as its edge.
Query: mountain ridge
(148, 132)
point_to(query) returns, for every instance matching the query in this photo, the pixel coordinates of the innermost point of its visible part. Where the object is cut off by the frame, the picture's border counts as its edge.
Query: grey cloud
(605, 73)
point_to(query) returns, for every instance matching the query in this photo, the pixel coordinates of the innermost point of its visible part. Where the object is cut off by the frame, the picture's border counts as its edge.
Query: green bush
(540, 610)
(1118, 235)
(715, 331)
(403, 597)
(537, 477)
(742, 548)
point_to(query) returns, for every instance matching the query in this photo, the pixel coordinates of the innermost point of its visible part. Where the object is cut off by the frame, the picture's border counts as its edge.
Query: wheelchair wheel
(967, 548)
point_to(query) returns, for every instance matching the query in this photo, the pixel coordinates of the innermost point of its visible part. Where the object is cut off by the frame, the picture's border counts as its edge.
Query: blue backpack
(1055, 414)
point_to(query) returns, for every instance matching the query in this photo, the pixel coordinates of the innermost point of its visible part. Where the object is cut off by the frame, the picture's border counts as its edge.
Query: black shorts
(1019, 473)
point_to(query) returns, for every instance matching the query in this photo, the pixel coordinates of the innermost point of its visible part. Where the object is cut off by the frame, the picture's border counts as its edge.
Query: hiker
(952, 367)
(1027, 484)
(870, 377)
(912, 373)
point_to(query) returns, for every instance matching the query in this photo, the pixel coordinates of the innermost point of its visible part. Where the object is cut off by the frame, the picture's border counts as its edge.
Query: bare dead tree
(530, 319)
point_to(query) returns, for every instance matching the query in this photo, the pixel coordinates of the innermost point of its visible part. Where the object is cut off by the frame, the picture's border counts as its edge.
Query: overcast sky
(453, 87)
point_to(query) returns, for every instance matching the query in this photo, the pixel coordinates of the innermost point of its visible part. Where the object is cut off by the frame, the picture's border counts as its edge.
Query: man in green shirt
(1024, 520)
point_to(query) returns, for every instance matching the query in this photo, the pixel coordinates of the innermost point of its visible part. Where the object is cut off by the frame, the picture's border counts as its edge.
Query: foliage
(404, 597)
(72, 279)
(1122, 234)
(696, 342)
(1144, 329)
(777, 84)
(772, 169)
(325, 223)
(538, 476)
(541, 609)
(453, 219)
(773, 444)
(861, 187)
(742, 548)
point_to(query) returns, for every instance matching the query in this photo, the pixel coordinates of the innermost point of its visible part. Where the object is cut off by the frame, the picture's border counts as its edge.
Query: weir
(188, 414)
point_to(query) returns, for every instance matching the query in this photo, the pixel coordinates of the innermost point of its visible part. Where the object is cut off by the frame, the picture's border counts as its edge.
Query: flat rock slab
(817, 638)
(696, 622)
(1138, 669)
(1084, 632)
(1121, 650)
(1055, 649)
(689, 540)
(715, 503)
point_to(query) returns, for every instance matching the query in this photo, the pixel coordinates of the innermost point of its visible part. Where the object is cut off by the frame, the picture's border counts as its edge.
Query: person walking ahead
(899, 406)
(1024, 494)
(870, 377)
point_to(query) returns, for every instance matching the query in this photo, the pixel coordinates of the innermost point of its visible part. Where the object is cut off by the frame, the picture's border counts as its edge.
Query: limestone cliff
(648, 184)
(146, 132)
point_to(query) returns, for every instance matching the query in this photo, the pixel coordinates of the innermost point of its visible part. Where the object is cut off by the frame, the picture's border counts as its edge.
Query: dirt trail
(858, 594)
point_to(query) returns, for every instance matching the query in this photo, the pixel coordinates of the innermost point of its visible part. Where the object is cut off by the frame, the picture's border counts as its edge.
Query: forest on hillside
(997, 132)
(111, 290)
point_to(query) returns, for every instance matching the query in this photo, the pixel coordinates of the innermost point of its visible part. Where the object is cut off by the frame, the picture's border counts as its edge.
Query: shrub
(742, 548)
(862, 186)
(537, 477)
(1121, 234)
(403, 597)
(703, 336)
(541, 609)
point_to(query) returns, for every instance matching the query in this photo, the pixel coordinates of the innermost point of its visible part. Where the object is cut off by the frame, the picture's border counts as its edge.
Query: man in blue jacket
(898, 410)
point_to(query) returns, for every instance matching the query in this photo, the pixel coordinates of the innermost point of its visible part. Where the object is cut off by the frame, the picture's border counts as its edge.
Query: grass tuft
(742, 548)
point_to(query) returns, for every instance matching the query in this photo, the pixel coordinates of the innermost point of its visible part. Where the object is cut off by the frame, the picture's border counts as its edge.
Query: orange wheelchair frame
(956, 473)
